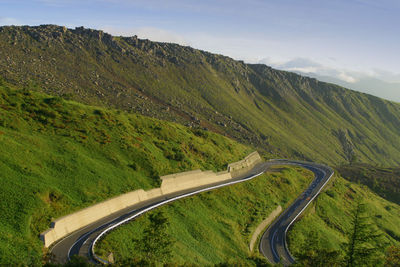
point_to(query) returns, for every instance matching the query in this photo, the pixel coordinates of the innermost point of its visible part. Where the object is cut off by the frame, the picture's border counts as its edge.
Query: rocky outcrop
(347, 144)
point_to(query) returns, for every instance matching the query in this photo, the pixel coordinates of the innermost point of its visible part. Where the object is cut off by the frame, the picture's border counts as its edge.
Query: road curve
(273, 242)
(82, 242)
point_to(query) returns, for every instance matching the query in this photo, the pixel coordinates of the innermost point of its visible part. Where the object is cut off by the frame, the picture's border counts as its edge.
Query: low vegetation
(382, 180)
(348, 225)
(276, 111)
(59, 156)
(212, 228)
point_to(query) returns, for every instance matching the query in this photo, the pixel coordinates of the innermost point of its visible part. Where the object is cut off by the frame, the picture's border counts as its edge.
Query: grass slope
(59, 156)
(329, 216)
(281, 112)
(215, 227)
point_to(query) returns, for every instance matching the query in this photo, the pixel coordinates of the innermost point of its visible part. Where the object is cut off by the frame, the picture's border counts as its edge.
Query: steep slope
(328, 223)
(382, 180)
(215, 228)
(211, 228)
(59, 156)
(280, 112)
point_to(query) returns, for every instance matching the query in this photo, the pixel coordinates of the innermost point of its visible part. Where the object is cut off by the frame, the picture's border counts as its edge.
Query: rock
(110, 258)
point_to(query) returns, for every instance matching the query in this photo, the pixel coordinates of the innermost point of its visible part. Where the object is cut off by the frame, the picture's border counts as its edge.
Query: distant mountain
(362, 82)
(278, 112)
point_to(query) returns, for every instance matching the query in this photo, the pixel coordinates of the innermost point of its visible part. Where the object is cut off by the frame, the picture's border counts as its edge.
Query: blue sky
(349, 38)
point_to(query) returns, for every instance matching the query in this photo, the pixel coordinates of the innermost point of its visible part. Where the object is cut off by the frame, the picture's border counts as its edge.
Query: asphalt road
(273, 242)
(81, 242)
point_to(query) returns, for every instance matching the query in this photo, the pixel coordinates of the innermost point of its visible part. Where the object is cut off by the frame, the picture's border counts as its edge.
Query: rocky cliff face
(94, 67)
(279, 112)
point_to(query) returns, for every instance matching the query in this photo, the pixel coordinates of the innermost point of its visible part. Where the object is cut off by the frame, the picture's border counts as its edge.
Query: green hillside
(211, 228)
(215, 228)
(72, 133)
(382, 180)
(59, 156)
(280, 112)
(328, 224)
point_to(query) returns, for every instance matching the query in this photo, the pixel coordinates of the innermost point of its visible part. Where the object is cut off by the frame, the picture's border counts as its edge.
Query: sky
(347, 39)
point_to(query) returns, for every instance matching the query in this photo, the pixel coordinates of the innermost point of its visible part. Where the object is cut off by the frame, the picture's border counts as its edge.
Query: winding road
(272, 244)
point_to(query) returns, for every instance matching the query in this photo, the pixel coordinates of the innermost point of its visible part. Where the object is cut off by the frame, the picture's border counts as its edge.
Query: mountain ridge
(279, 112)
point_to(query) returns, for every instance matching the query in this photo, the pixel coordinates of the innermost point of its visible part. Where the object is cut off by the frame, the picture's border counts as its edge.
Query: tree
(155, 243)
(312, 254)
(364, 244)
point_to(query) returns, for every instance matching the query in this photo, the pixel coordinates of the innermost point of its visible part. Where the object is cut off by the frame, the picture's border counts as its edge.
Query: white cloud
(9, 21)
(308, 66)
(385, 75)
(303, 69)
(346, 77)
(376, 82)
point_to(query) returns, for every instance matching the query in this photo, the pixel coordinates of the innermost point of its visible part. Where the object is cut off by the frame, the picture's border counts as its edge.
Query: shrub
(53, 101)
(99, 112)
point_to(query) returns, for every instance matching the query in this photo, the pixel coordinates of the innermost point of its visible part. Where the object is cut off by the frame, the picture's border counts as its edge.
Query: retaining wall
(72, 222)
(186, 180)
(263, 225)
(172, 183)
(244, 164)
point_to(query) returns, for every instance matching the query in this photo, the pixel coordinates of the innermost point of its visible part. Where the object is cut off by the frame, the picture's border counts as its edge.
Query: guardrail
(284, 162)
(110, 228)
(172, 183)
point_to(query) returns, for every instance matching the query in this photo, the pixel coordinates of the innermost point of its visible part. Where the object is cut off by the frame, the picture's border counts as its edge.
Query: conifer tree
(156, 242)
(313, 254)
(154, 248)
(364, 244)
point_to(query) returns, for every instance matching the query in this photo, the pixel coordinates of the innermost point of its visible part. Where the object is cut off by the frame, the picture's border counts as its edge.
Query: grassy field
(329, 219)
(214, 227)
(59, 156)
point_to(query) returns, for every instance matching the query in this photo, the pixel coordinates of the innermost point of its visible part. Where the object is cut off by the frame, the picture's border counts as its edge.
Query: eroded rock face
(347, 145)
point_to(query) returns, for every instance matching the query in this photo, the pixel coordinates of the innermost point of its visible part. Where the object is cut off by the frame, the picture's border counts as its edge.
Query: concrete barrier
(72, 222)
(192, 179)
(264, 225)
(245, 164)
(172, 183)
(153, 193)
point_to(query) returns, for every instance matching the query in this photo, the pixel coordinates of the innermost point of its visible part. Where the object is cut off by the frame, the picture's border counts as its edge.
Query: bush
(99, 112)
(53, 101)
